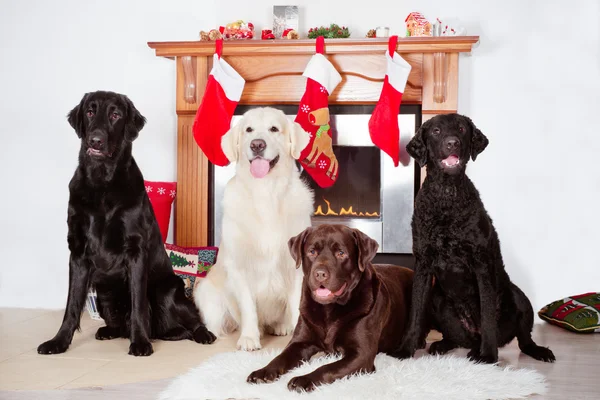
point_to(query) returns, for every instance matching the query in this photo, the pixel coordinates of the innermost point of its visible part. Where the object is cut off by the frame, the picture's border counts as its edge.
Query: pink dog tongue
(323, 292)
(259, 168)
(451, 160)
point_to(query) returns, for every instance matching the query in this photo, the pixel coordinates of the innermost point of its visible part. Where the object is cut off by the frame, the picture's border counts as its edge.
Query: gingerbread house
(417, 25)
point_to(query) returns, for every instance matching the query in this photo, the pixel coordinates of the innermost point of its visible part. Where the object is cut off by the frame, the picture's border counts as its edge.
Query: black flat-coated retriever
(114, 239)
(460, 282)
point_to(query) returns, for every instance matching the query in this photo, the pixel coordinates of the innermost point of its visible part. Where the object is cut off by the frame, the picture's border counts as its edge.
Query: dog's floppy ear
(76, 117)
(230, 142)
(367, 248)
(417, 148)
(299, 138)
(478, 140)
(296, 244)
(134, 121)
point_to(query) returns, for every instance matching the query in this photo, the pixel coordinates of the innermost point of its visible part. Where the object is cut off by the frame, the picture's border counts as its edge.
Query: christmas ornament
(318, 158)
(290, 34)
(267, 34)
(237, 30)
(213, 34)
(213, 118)
(334, 31)
(417, 25)
(383, 124)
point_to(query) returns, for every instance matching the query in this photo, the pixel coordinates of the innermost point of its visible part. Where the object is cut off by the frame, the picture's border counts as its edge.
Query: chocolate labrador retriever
(348, 306)
(114, 238)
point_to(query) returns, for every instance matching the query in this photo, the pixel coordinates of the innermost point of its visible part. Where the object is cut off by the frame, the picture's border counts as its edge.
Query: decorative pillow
(161, 195)
(579, 313)
(191, 263)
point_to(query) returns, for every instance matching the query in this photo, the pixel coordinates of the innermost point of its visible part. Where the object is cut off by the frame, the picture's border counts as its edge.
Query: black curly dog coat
(114, 239)
(460, 285)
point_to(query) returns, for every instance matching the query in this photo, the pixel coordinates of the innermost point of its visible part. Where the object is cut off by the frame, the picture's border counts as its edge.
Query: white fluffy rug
(429, 377)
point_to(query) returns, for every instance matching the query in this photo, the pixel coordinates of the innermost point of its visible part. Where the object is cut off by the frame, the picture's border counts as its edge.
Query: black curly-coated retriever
(114, 239)
(460, 285)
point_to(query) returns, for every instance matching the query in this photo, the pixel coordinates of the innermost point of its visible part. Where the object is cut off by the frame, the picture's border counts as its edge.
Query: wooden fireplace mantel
(273, 73)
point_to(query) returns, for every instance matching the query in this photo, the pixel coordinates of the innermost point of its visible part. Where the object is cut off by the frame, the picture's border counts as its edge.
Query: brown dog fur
(364, 314)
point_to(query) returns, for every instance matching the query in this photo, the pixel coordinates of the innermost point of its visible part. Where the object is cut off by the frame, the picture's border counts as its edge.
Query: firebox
(370, 193)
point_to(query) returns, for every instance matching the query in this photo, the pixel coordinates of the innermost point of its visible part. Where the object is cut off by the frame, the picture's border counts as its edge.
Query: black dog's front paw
(476, 356)
(107, 333)
(54, 346)
(440, 347)
(401, 353)
(142, 349)
(302, 384)
(265, 375)
(204, 336)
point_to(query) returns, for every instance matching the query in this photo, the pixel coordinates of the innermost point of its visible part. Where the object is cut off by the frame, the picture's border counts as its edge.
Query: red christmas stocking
(213, 118)
(383, 124)
(313, 115)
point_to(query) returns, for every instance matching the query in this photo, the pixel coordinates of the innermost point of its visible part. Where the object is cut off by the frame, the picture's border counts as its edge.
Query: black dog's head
(105, 121)
(333, 259)
(446, 142)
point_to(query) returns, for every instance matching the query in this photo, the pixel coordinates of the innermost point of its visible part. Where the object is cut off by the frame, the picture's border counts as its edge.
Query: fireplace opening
(370, 194)
(357, 191)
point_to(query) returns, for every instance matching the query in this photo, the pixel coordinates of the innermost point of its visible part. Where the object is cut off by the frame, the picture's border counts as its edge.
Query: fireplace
(370, 193)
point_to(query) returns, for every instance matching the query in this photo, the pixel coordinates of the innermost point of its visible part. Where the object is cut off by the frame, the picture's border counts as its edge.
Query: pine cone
(204, 36)
(214, 34)
(293, 35)
(372, 33)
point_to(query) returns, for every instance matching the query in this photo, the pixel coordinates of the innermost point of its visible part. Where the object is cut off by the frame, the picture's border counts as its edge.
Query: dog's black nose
(451, 142)
(258, 146)
(321, 275)
(96, 143)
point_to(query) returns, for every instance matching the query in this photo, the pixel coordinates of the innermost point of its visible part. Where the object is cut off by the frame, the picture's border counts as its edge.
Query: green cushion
(579, 313)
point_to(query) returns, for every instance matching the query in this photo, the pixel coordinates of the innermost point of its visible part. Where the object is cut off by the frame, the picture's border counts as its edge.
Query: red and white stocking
(383, 124)
(213, 118)
(313, 115)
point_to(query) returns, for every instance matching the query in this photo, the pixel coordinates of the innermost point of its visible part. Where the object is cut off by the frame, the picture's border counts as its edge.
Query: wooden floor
(102, 370)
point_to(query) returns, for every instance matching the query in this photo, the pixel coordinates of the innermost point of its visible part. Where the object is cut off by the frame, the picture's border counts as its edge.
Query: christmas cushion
(191, 263)
(579, 313)
(161, 195)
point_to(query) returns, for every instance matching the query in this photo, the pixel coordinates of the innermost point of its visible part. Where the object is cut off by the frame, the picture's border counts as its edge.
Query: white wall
(531, 86)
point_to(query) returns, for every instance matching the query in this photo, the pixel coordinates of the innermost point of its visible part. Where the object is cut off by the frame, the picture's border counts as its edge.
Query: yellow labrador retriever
(254, 285)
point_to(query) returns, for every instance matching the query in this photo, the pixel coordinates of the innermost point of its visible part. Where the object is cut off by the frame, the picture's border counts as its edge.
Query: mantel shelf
(273, 75)
(442, 44)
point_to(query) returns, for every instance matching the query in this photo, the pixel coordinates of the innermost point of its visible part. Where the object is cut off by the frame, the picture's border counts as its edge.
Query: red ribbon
(392, 45)
(219, 47)
(320, 45)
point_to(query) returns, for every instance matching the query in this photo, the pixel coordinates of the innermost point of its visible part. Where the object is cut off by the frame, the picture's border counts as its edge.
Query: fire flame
(343, 211)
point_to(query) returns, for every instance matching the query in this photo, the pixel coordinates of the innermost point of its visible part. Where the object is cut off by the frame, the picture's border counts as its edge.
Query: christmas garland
(334, 31)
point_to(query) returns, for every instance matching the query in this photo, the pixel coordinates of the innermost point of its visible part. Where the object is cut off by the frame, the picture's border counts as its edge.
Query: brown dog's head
(333, 259)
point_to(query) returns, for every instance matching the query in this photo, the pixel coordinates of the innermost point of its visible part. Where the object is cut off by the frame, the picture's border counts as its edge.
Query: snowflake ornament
(322, 164)
(305, 108)
(148, 189)
(161, 190)
(172, 193)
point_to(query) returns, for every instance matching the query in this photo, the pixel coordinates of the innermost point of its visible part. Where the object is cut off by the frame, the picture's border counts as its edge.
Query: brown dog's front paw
(265, 375)
(140, 349)
(302, 384)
